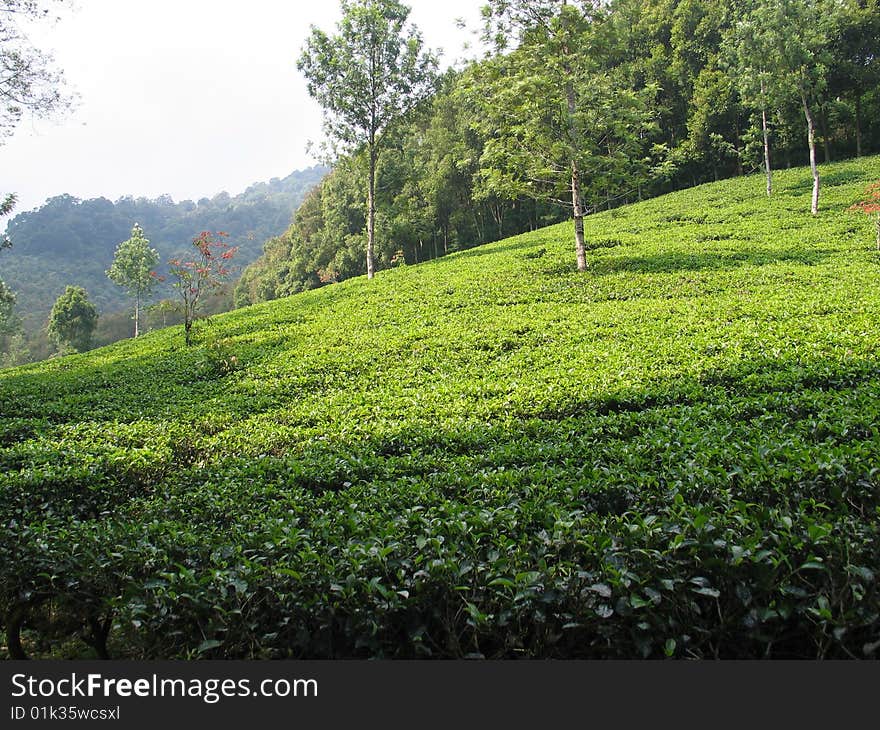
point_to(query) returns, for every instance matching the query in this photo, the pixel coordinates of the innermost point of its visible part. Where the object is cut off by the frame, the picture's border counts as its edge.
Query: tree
(855, 45)
(73, 320)
(555, 120)
(194, 278)
(11, 332)
(28, 82)
(6, 207)
(28, 79)
(132, 269)
(747, 58)
(12, 348)
(367, 77)
(794, 41)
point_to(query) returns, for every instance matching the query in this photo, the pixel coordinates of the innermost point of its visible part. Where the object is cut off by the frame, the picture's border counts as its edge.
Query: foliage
(71, 240)
(73, 320)
(133, 268)
(488, 454)
(11, 333)
(368, 76)
(6, 207)
(674, 99)
(856, 64)
(29, 82)
(194, 278)
(426, 206)
(558, 124)
(12, 350)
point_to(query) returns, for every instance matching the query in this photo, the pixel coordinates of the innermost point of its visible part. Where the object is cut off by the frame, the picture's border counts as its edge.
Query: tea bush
(674, 454)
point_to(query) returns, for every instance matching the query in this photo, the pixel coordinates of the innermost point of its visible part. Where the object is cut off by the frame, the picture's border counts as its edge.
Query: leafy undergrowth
(673, 454)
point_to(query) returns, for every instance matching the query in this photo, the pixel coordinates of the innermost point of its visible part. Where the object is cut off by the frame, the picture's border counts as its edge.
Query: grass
(673, 454)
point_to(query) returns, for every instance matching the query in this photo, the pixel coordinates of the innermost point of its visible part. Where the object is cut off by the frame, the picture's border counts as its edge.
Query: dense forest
(667, 94)
(71, 241)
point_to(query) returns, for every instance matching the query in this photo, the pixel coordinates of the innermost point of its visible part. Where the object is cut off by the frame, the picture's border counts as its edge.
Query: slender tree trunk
(766, 133)
(576, 199)
(478, 222)
(811, 138)
(858, 124)
(137, 313)
(823, 126)
(371, 213)
(573, 140)
(498, 215)
(738, 148)
(577, 205)
(98, 638)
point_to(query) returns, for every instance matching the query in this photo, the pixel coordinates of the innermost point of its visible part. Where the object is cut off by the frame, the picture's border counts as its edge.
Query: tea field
(676, 453)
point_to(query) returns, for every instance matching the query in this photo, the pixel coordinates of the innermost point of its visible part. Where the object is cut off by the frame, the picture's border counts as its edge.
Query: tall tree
(795, 41)
(746, 56)
(73, 320)
(367, 76)
(555, 120)
(133, 269)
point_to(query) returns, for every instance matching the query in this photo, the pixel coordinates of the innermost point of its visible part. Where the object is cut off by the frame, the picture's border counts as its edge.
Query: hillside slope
(675, 453)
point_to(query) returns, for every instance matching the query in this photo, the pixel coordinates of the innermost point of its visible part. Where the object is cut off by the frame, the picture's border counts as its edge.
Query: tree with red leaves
(205, 272)
(870, 205)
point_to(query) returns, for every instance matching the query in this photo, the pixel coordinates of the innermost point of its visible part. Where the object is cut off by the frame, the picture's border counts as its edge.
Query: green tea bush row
(672, 455)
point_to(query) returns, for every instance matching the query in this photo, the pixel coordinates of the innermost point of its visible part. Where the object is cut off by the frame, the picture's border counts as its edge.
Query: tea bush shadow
(672, 262)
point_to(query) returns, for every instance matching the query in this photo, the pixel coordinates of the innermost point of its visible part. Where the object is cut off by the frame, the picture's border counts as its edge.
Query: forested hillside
(639, 97)
(72, 241)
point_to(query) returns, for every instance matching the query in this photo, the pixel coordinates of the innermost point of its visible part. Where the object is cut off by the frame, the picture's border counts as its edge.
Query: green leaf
(705, 591)
(207, 645)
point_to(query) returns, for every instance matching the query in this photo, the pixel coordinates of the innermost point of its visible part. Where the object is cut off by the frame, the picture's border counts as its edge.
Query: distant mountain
(72, 241)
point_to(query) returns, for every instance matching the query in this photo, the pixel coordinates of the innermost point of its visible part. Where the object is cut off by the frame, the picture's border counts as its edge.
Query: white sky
(186, 97)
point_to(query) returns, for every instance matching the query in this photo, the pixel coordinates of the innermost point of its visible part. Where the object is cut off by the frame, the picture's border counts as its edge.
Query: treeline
(427, 201)
(664, 94)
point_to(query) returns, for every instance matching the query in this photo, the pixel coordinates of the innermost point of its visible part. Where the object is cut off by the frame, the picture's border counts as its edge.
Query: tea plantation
(676, 454)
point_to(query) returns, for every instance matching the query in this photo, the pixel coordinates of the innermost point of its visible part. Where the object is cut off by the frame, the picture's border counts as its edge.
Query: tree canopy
(367, 77)
(133, 268)
(73, 320)
(29, 80)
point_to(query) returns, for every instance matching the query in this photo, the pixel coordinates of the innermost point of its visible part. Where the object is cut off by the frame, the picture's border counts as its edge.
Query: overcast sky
(186, 97)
